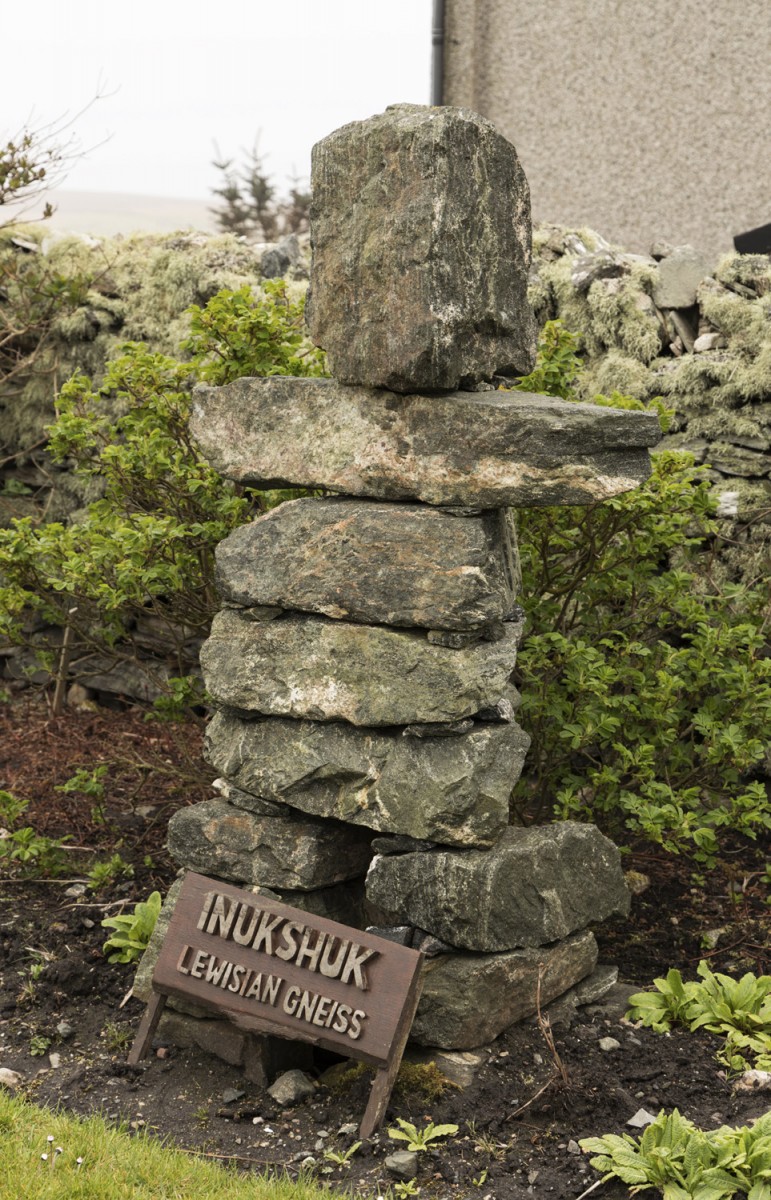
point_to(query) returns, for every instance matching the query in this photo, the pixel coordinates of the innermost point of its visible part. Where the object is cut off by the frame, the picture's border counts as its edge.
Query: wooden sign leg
(386, 1077)
(147, 1027)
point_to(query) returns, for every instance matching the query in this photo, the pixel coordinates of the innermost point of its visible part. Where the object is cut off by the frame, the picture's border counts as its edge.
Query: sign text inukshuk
(272, 968)
(362, 662)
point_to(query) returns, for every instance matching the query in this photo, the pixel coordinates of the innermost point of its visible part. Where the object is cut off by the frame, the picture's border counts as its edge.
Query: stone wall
(671, 324)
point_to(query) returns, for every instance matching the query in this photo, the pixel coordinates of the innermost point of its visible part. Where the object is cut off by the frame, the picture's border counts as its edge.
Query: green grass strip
(119, 1166)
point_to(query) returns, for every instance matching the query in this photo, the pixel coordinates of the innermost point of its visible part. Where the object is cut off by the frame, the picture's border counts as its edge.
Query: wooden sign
(270, 968)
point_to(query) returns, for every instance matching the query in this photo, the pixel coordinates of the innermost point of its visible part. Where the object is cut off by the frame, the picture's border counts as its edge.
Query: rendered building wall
(644, 120)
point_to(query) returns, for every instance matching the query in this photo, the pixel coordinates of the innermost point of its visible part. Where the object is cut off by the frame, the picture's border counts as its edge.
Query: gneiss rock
(451, 789)
(469, 999)
(485, 449)
(302, 666)
(379, 563)
(396, 298)
(535, 886)
(217, 839)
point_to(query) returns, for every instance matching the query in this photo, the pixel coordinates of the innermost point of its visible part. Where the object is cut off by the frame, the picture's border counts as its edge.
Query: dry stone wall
(675, 324)
(361, 663)
(670, 323)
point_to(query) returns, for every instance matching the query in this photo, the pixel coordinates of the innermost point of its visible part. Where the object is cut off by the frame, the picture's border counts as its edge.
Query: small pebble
(573, 1147)
(607, 1044)
(64, 1029)
(640, 1119)
(55, 1059)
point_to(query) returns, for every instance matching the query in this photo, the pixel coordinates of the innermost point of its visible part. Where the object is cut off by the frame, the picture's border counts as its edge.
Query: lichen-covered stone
(216, 838)
(378, 563)
(535, 886)
(453, 790)
(469, 999)
(397, 299)
(679, 275)
(302, 666)
(484, 449)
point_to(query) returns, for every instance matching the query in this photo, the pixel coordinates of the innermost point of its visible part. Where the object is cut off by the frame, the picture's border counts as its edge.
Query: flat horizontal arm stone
(483, 449)
(378, 563)
(453, 790)
(301, 666)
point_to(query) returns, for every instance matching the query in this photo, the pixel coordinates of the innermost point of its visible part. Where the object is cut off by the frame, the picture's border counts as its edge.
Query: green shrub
(146, 547)
(22, 848)
(739, 1010)
(645, 689)
(686, 1163)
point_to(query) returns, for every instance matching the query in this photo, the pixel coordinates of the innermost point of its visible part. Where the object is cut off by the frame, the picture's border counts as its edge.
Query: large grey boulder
(536, 886)
(301, 666)
(485, 449)
(453, 789)
(378, 563)
(216, 838)
(469, 999)
(396, 298)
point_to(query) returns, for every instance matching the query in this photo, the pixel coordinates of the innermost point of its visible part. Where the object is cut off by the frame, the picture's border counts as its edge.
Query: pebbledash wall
(644, 120)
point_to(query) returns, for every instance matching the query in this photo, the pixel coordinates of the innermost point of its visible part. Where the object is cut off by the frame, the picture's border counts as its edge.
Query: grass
(116, 1166)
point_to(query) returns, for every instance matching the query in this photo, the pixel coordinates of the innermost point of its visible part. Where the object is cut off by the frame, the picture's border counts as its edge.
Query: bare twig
(544, 1024)
(552, 1079)
(591, 1189)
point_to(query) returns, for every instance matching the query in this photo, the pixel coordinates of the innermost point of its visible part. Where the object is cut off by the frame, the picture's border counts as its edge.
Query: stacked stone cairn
(365, 733)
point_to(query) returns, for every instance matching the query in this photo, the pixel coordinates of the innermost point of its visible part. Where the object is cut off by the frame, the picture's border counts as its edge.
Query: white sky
(179, 75)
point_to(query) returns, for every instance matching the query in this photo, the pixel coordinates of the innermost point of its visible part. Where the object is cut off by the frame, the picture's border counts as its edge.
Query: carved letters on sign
(274, 969)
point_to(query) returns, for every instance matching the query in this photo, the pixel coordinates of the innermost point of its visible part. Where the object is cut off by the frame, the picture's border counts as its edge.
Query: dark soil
(520, 1119)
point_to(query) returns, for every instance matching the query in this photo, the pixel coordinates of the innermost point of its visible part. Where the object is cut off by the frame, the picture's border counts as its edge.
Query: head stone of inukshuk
(365, 733)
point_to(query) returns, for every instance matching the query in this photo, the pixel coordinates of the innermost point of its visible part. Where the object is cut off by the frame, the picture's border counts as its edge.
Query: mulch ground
(530, 1102)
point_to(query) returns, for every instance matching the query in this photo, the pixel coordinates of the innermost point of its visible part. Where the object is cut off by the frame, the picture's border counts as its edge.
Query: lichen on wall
(710, 360)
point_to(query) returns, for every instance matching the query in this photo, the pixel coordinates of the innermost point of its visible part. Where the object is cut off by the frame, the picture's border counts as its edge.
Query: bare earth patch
(519, 1121)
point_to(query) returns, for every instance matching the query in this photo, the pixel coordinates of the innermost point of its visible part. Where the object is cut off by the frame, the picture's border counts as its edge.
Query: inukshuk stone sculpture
(362, 662)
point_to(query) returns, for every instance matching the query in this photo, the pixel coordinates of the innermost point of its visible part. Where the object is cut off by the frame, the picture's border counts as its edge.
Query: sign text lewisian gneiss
(271, 968)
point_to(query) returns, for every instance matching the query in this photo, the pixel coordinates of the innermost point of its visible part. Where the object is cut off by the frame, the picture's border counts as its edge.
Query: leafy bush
(145, 549)
(686, 1163)
(21, 847)
(737, 1009)
(646, 689)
